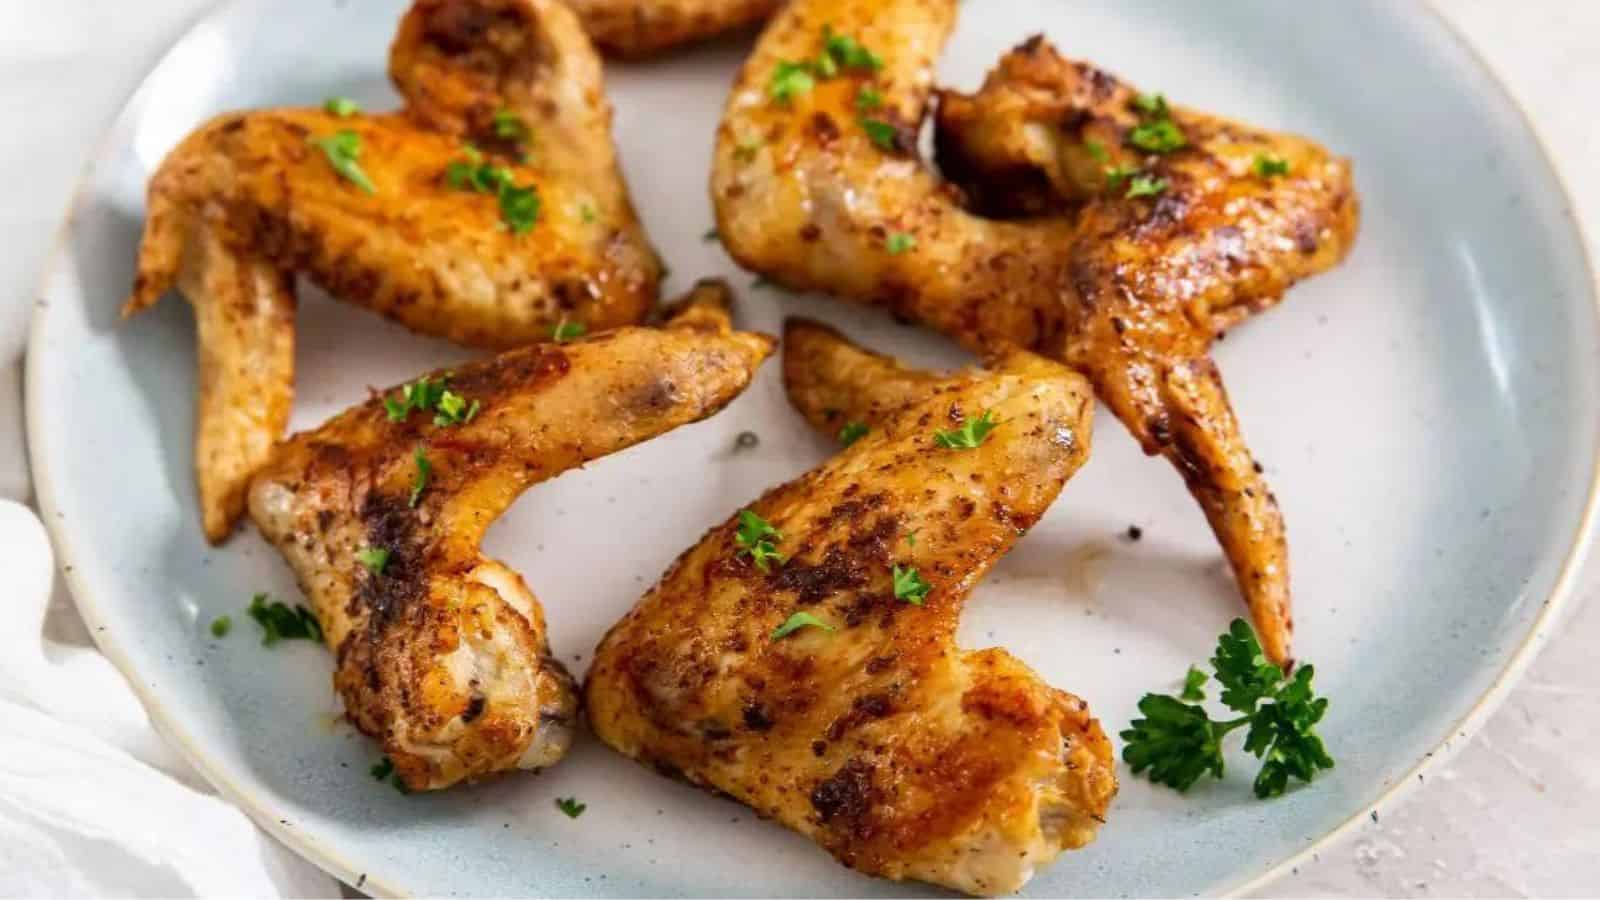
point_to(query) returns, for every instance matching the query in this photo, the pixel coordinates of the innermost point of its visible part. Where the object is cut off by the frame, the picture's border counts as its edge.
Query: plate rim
(266, 816)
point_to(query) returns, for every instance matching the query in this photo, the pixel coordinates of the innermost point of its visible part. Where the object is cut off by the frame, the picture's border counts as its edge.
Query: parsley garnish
(1267, 166)
(571, 806)
(883, 135)
(971, 433)
(710, 235)
(450, 408)
(1194, 685)
(757, 537)
(453, 409)
(868, 99)
(796, 622)
(1179, 742)
(852, 432)
(343, 107)
(220, 626)
(565, 330)
(909, 586)
(419, 482)
(1152, 105)
(790, 80)
(1116, 175)
(1162, 136)
(343, 149)
(280, 623)
(1145, 186)
(383, 770)
(899, 242)
(374, 558)
(1096, 150)
(586, 213)
(508, 126)
(846, 52)
(519, 206)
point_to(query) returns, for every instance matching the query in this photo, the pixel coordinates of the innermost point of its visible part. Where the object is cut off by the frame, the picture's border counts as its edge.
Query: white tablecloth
(93, 803)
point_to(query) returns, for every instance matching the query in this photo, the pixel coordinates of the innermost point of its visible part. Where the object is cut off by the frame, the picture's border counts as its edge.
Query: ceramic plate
(1426, 413)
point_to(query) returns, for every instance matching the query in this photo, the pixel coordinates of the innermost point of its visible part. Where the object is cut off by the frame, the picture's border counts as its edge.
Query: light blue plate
(1427, 413)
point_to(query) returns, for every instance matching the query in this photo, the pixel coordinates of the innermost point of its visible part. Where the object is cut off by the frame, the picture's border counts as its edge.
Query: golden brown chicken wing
(442, 654)
(801, 658)
(1156, 228)
(489, 245)
(637, 28)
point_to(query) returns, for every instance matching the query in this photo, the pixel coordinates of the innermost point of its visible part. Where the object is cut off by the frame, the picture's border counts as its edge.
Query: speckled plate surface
(1426, 414)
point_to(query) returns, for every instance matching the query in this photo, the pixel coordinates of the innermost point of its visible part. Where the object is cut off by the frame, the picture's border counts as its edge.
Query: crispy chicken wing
(252, 198)
(637, 28)
(872, 733)
(823, 190)
(441, 652)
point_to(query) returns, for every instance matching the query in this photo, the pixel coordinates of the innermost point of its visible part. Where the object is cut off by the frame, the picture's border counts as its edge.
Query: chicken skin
(1150, 230)
(870, 731)
(489, 245)
(637, 28)
(441, 652)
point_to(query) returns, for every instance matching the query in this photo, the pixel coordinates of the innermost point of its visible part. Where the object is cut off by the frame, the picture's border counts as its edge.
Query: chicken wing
(869, 731)
(441, 652)
(638, 28)
(489, 246)
(1134, 264)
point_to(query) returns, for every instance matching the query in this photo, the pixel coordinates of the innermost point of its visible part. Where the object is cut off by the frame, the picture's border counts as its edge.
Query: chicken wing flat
(1153, 228)
(489, 245)
(867, 729)
(638, 28)
(442, 653)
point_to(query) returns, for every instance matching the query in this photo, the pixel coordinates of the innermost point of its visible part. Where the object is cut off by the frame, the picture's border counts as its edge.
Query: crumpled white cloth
(92, 802)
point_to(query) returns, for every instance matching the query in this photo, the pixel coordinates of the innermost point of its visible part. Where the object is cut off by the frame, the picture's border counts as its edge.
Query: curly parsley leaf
(279, 622)
(796, 622)
(1178, 742)
(758, 538)
(970, 435)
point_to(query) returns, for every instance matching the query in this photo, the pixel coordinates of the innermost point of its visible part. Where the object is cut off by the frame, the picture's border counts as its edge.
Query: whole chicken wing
(1144, 245)
(489, 245)
(863, 726)
(442, 653)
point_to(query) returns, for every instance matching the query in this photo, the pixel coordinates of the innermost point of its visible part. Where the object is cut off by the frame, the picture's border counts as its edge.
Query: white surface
(1440, 838)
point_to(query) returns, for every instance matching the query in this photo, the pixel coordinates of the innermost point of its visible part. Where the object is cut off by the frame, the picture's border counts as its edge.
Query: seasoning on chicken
(441, 652)
(802, 660)
(638, 28)
(1152, 229)
(487, 211)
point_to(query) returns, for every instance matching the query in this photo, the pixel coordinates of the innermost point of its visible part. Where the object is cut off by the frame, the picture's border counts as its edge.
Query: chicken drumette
(1154, 228)
(869, 730)
(441, 652)
(487, 211)
(637, 28)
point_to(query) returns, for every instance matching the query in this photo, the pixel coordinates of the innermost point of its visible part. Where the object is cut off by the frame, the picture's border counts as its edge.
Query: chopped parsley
(419, 482)
(790, 80)
(566, 330)
(710, 236)
(1116, 175)
(220, 626)
(1145, 186)
(571, 806)
(374, 558)
(383, 770)
(745, 151)
(450, 408)
(796, 622)
(342, 107)
(1178, 742)
(852, 432)
(519, 206)
(843, 51)
(1096, 150)
(1161, 136)
(869, 99)
(1268, 166)
(508, 126)
(883, 135)
(343, 150)
(909, 586)
(899, 242)
(1153, 106)
(280, 623)
(453, 409)
(1193, 685)
(586, 213)
(971, 434)
(758, 538)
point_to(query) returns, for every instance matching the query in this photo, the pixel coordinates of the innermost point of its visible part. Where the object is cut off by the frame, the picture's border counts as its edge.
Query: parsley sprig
(281, 623)
(758, 538)
(971, 434)
(1179, 742)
